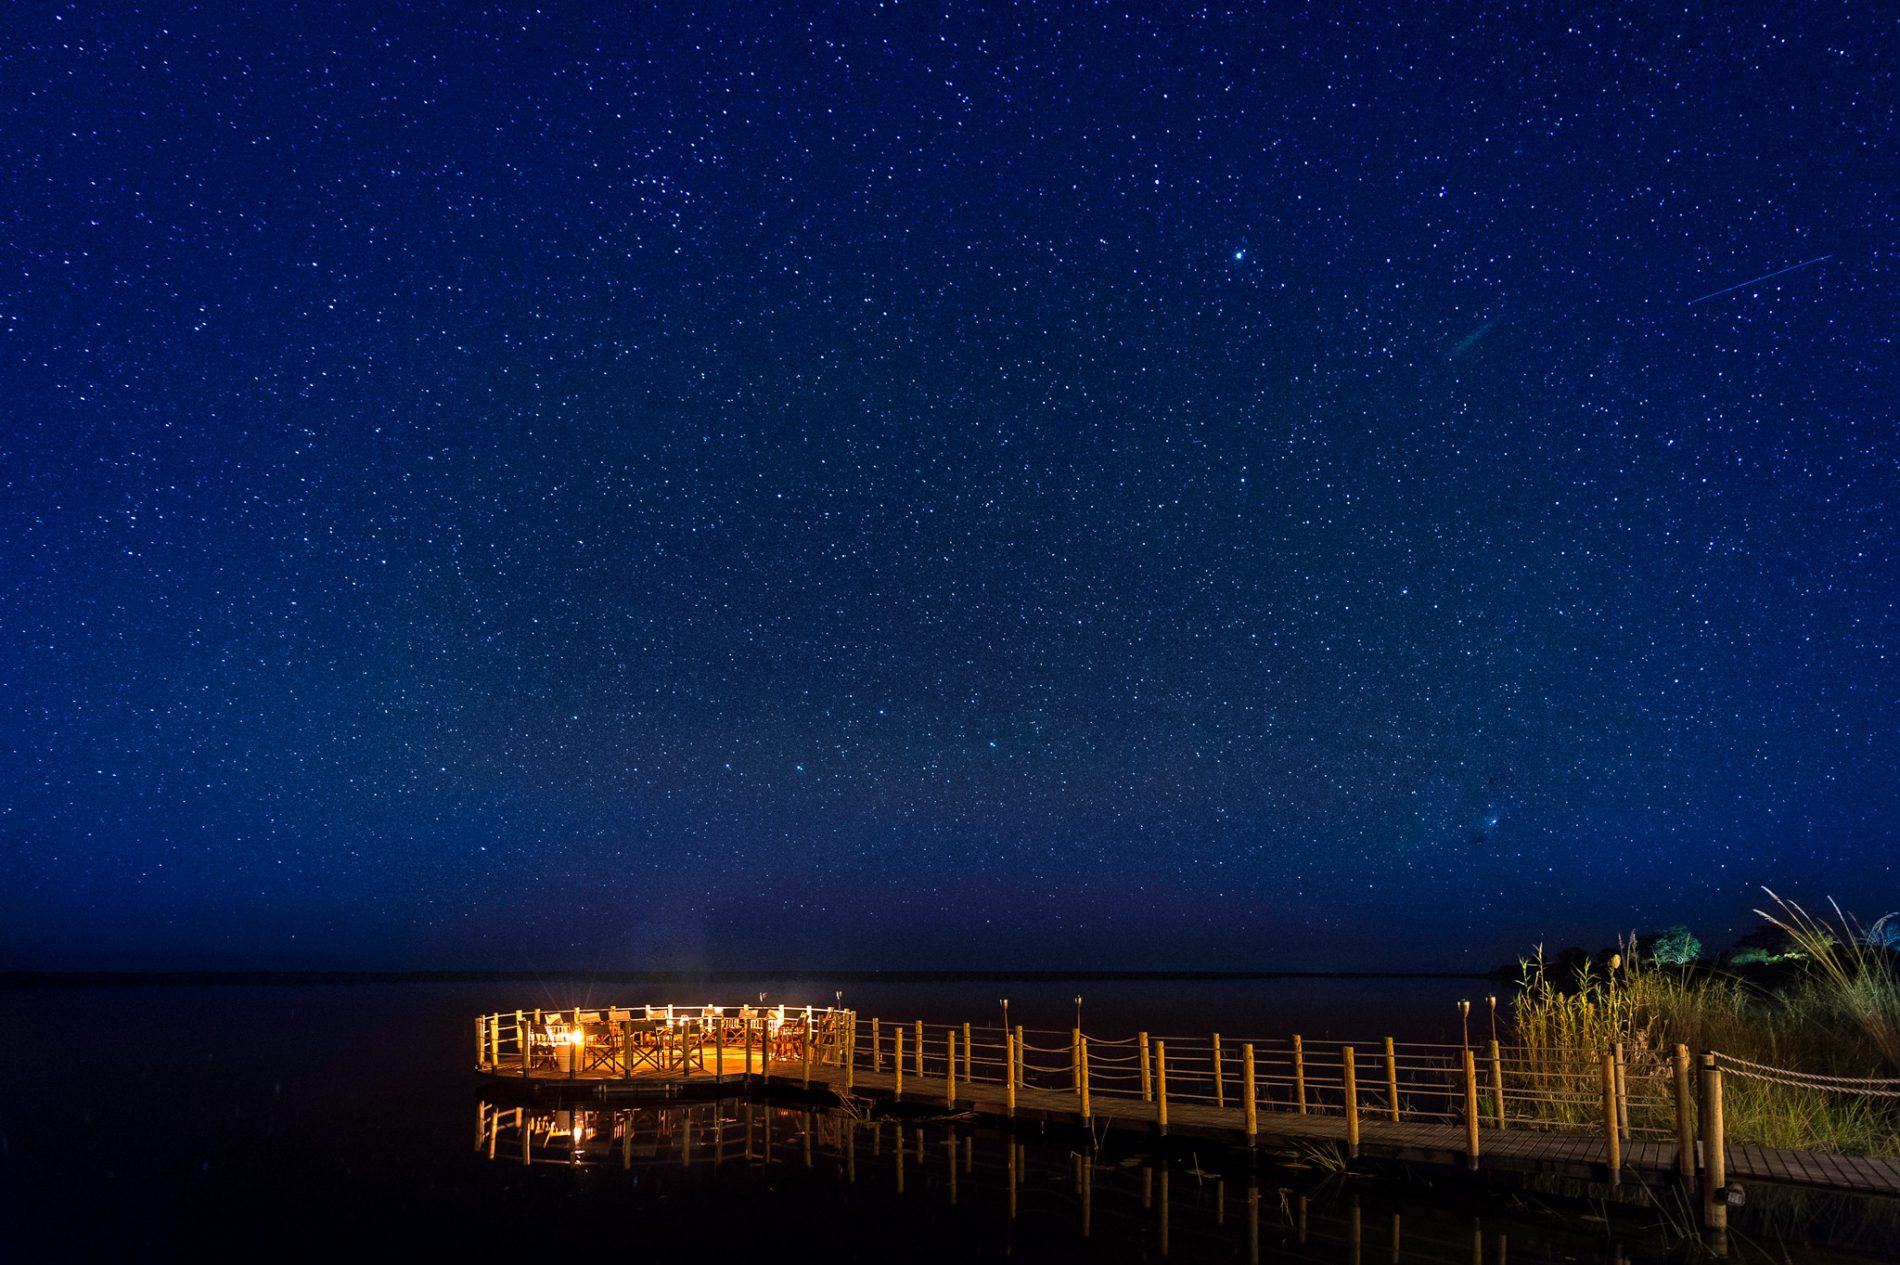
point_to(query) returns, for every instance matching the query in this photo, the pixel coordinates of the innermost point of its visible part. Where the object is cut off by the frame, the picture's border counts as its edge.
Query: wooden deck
(1578, 1154)
(1528, 1149)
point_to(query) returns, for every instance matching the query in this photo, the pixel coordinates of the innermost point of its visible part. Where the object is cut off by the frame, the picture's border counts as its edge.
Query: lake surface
(160, 1123)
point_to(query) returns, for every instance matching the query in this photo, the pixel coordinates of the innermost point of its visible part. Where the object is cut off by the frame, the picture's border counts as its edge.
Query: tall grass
(1837, 1013)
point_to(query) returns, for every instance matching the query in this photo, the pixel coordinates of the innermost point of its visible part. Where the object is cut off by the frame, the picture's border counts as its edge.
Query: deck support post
(1349, 1080)
(1497, 1081)
(1471, 1108)
(1147, 1074)
(1612, 1139)
(1299, 1074)
(1009, 1090)
(1714, 1150)
(1161, 1089)
(1685, 1117)
(1247, 1094)
(1392, 1080)
(1220, 1081)
(1082, 1064)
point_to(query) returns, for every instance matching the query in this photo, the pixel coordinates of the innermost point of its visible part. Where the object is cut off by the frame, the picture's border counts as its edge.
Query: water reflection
(1047, 1194)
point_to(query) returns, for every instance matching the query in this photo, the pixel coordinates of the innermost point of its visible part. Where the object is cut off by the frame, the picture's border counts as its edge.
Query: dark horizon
(918, 489)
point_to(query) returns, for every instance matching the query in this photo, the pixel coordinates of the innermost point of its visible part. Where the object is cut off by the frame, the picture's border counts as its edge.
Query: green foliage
(1674, 946)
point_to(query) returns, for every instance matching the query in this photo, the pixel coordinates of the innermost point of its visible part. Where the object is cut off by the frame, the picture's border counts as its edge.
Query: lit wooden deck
(1307, 1094)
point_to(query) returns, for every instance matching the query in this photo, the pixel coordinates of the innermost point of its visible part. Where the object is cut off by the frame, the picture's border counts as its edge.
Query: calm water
(296, 1122)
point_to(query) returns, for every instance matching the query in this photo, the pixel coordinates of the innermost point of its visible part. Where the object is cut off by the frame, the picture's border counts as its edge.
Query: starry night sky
(928, 485)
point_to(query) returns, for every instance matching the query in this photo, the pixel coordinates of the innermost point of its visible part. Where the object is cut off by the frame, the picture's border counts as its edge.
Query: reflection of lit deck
(1304, 1095)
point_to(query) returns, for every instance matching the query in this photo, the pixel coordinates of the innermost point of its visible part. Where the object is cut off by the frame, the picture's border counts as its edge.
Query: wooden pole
(897, 1064)
(1471, 1108)
(967, 1050)
(1075, 1060)
(1299, 1073)
(850, 1050)
(1147, 1074)
(481, 1042)
(1350, 1083)
(877, 1047)
(1087, 1111)
(1020, 1056)
(1685, 1122)
(1220, 1082)
(1161, 1088)
(1497, 1081)
(1714, 1149)
(1622, 1093)
(1247, 1092)
(1612, 1141)
(1009, 1084)
(950, 1067)
(806, 1043)
(919, 1069)
(719, 1047)
(1392, 1081)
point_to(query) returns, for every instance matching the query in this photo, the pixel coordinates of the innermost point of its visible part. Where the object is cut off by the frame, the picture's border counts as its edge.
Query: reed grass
(1837, 1012)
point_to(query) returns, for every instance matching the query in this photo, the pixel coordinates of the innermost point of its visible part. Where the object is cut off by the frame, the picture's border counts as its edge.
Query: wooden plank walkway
(1579, 1154)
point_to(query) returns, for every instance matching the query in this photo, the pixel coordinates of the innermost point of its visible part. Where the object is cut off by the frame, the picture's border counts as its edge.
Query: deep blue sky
(922, 485)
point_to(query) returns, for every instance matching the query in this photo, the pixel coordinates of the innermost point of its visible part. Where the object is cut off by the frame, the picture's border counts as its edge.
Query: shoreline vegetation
(1808, 995)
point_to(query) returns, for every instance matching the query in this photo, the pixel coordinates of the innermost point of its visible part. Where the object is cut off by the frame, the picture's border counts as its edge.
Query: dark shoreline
(100, 979)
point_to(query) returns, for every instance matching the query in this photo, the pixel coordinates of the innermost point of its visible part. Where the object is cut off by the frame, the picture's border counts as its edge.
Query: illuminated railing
(592, 1043)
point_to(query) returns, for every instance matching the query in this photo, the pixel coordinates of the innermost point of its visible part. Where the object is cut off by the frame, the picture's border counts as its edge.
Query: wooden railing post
(877, 1047)
(1075, 1060)
(1087, 1110)
(1220, 1082)
(1612, 1139)
(1350, 1083)
(1471, 1108)
(1622, 1093)
(1391, 1081)
(1147, 1074)
(1009, 1079)
(1299, 1074)
(1714, 1149)
(897, 1062)
(950, 1067)
(1161, 1088)
(806, 1044)
(919, 1068)
(969, 1047)
(481, 1047)
(522, 1040)
(1497, 1081)
(1247, 1094)
(850, 1051)
(1021, 1055)
(1685, 1120)
(719, 1048)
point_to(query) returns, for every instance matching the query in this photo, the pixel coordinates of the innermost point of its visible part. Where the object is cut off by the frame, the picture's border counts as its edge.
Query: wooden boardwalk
(1526, 1149)
(1300, 1094)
